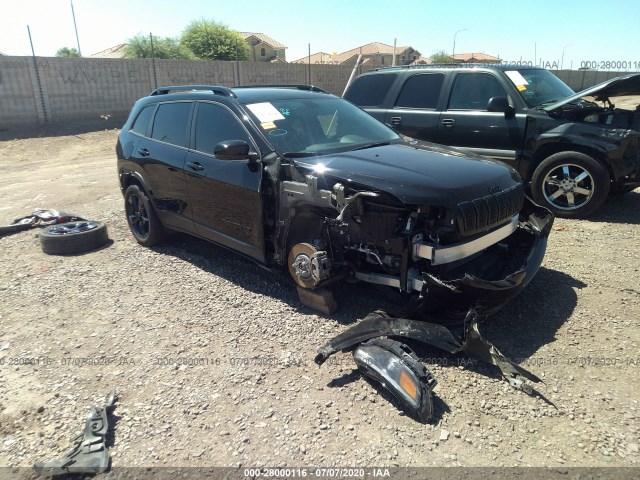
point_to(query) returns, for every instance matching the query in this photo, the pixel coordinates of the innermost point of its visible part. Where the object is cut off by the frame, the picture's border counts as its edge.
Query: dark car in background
(573, 149)
(295, 178)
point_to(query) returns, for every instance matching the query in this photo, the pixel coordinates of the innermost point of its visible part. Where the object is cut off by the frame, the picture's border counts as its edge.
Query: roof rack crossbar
(311, 88)
(217, 90)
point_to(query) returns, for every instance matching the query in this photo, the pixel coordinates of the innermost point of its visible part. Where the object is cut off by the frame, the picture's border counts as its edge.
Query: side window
(472, 91)
(370, 90)
(142, 122)
(421, 91)
(170, 124)
(215, 124)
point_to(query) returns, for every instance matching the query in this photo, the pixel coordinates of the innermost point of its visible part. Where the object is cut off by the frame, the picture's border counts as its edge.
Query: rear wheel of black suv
(570, 184)
(141, 217)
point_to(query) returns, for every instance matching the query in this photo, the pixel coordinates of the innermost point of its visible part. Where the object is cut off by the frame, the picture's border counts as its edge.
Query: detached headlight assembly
(398, 369)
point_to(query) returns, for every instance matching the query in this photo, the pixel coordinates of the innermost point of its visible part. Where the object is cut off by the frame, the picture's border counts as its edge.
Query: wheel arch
(303, 226)
(132, 178)
(552, 148)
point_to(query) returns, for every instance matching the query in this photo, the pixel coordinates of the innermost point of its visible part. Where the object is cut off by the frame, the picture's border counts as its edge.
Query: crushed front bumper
(483, 274)
(491, 279)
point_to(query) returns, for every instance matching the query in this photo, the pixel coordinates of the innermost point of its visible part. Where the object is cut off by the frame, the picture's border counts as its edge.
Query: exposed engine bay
(601, 110)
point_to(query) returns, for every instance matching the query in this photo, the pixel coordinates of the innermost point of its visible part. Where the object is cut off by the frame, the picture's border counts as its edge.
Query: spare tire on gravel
(73, 237)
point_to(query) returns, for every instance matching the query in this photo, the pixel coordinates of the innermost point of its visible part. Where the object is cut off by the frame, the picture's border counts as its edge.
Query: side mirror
(500, 104)
(234, 150)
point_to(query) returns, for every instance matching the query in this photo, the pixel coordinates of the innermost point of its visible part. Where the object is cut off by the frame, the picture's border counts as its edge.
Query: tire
(570, 184)
(73, 237)
(141, 217)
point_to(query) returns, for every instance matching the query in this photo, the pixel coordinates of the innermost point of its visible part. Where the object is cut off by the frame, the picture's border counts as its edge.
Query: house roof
(116, 51)
(318, 57)
(373, 48)
(263, 39)
(476, 57)
(370, 49)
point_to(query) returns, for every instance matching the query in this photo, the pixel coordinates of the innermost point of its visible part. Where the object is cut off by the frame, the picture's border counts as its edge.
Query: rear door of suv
(161, 131)
(415, 110)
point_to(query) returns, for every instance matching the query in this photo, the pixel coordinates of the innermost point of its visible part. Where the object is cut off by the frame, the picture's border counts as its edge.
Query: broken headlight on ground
(398, 369)
(386, 360)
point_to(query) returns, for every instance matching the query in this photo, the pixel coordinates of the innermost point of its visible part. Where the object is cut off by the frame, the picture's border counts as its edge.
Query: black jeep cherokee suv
(296, 178)
(574, 148)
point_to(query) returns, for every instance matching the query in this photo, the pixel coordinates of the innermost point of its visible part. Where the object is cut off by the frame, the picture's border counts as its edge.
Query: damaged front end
(444, 260)
(454, 267)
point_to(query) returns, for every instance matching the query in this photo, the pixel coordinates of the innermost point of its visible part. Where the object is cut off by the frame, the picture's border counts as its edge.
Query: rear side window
(170, 124)
(141, 124)
(421, 91)
(215, 124)
(370, 90)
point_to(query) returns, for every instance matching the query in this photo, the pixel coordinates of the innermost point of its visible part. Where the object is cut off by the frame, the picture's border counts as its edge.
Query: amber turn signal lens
(408, 385)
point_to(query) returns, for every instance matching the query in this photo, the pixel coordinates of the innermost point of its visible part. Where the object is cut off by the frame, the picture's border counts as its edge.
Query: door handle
(195, 166)
(395, 120)
(144, 152)
(448, 122)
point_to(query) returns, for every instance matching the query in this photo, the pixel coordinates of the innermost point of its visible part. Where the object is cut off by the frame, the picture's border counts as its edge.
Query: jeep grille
(487, 212)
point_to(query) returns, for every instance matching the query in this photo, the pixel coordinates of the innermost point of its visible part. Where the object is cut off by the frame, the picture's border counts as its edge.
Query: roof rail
(460, 65)
(224, 91)
(311, 88)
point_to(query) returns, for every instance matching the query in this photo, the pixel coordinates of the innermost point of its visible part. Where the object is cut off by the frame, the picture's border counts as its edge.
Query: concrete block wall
(580, 79)
(17, 91)
(63, 89)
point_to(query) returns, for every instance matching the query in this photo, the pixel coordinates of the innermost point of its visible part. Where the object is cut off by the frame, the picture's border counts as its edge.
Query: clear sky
(595, 30)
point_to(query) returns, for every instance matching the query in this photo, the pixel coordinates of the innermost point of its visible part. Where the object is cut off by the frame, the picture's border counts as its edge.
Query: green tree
(211, 40)
(163, 47)
(441, 57)
(67, 52)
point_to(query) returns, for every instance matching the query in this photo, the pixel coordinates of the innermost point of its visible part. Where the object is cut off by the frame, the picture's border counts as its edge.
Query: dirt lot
(213, 357)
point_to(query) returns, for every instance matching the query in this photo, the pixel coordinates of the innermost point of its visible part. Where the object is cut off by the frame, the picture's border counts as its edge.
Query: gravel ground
(212, 357)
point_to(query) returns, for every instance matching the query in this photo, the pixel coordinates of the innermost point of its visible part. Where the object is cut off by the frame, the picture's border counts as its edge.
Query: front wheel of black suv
(570, 184)
(141, 217)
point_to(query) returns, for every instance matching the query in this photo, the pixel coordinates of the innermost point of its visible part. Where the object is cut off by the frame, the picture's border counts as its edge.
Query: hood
(616, 87)
(417, 173)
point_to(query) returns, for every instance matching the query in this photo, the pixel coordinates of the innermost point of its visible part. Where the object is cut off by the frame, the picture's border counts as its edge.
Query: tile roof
(116, 51)
(318, 57)
(483, 57)
(264, 39)
(374, 48)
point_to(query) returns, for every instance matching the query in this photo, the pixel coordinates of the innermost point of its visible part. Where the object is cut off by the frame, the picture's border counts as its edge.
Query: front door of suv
(465, 121)
(225, 194)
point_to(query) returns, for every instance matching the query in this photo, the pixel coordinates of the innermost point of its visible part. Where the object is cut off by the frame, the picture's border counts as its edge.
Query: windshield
(538, 86)
(302, 127)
